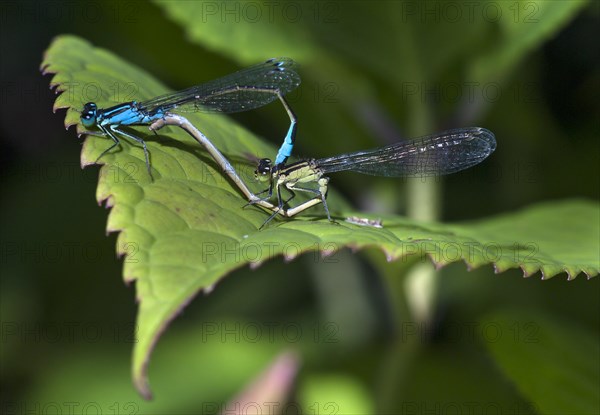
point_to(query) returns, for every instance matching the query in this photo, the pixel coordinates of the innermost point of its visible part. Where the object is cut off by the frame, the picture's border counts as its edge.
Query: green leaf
(553, 363)
(551, 237)
(524, 25)
(187, 229)
(246, 32)
(335, 393)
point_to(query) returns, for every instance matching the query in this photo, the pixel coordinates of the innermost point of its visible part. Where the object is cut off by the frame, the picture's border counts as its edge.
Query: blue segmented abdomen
(130, 115)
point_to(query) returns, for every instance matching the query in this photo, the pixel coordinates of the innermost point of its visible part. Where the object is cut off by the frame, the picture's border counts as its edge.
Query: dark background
(60, 277)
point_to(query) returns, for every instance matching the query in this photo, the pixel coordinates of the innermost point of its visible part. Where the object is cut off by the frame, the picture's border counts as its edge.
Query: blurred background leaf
(378, 73)
(562, 359)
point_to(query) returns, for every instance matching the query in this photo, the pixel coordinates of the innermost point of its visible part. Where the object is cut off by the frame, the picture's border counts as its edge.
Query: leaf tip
(84, 161)
(254, 265)
(500, 267)
(108, 202)
(389, 255)
(289, 257)
(44, 69)
(526, 272)
(328, 251)
(471, 266)
(142, 386)
(437, 264)
(209, 288)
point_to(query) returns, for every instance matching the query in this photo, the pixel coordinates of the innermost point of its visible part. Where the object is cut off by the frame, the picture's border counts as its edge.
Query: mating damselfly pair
(438, 154)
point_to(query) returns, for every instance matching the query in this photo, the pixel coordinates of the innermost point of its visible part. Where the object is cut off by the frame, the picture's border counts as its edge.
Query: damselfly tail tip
(488, 137)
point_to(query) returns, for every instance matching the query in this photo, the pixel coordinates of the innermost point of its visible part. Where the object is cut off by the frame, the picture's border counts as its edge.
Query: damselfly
(245, 90)
(183, 123)
(438, 154)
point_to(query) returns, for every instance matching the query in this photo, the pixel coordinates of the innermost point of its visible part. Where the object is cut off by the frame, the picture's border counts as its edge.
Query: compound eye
(88, 115)
(90, 107)
(264, 167)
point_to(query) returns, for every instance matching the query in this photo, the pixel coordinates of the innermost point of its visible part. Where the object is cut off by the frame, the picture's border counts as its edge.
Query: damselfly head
(263, 170)
(88, 114)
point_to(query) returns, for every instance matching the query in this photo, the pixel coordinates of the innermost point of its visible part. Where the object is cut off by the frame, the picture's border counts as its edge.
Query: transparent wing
(244, 90)
(432, 155)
